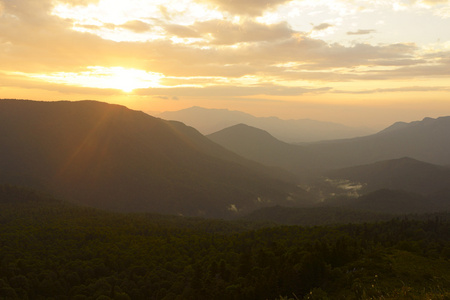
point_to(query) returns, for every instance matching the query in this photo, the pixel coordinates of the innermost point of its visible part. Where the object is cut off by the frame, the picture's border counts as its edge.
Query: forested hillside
(54, 250)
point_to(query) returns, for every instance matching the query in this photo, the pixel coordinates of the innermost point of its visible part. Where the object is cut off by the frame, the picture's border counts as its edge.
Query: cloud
(322, 26)
(264, 46)
(397, 90)
(136, 26)
(175, 98)
(227, 33)
(444, 12)
(435, 2)
(79, 2)
(361, 32)
(248, 7)
(181, 31)
(227, 57)
(400, 62)
(233, 91)
(22, 81)
(161, 97)
(34, 12)
(223, 32)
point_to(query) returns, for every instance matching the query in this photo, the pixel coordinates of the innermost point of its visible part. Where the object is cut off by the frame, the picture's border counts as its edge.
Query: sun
(119, 78)
(128, 80)
(122, 78)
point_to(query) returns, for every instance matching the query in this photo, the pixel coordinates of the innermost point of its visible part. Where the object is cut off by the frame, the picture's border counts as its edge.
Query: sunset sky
(366, 63)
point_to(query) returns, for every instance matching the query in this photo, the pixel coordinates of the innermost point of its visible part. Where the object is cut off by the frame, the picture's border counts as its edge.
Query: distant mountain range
(208, 121)
(427, 141)
(402, 169)
(110, 157)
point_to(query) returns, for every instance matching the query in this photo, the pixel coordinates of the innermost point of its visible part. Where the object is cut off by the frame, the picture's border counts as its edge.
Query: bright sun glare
(120, 78)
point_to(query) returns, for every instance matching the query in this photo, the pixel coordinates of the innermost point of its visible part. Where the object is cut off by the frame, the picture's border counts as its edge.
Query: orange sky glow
(365, 63)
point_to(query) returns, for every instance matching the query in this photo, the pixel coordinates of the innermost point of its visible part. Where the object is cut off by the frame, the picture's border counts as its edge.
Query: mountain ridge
(208, 121)
(261, 146)
(111, 157)
(427, 141)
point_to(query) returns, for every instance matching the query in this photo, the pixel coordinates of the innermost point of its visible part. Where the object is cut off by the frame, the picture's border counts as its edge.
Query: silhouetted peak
(406, 159)
(245, 126)
(208, 121)
(407, 162)
(246, 131)
(425, 122)
(395, 126)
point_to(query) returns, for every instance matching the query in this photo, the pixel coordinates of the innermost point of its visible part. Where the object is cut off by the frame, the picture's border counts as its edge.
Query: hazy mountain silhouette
(403, 174)
(426, 140)
(259, 145)
(208, 121)
(108, 156)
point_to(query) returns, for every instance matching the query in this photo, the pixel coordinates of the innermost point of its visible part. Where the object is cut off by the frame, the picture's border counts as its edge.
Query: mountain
(110, 157)
(402, 174)
(258, 145)
(427, 140)
(208, 121)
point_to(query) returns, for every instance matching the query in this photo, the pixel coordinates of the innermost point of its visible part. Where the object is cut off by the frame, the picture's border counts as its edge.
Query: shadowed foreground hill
(110, 157)
(404, 173)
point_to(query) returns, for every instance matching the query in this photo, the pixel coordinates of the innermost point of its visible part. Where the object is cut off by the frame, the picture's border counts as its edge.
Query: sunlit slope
(111, 157)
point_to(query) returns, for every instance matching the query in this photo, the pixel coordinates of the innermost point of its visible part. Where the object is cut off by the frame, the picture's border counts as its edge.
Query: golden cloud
(248, 7)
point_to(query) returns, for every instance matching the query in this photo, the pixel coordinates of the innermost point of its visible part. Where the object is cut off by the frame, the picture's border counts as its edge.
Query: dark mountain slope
(209, 121)
(108, 156)
(405, 174)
